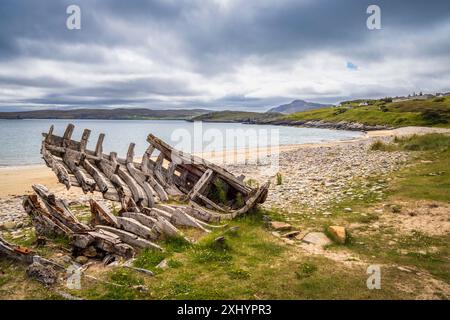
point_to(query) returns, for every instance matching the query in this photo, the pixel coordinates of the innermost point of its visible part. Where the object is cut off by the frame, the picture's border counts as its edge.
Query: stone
(90, 252)
(317, 239)
(338, 233)
(82, 259)
(9, 225)
(280, 226)
(348, 209)
(163, 264)
(44, 274)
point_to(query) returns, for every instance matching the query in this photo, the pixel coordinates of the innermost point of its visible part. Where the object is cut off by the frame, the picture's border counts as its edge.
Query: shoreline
(17, 180)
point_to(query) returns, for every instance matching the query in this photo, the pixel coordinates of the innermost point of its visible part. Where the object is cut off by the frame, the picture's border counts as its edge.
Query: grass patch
(306, 270)
(149, 259)
(279, 179)
(383, 112)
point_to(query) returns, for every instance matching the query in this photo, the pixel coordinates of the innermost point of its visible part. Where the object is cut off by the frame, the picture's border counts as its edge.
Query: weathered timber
(59, 210)
(100, 215)
(140, 217)
(147, 182)
(139, 179)
(72, 160)
(61, 172)
(134, 226)
(44, 223)
(183, 158)
(14, 252)
(201, 184)
(130, 238)
(259, 196)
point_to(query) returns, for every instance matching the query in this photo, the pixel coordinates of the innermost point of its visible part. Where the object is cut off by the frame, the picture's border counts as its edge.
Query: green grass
(236, 116)
(429, 178)
(393, 114)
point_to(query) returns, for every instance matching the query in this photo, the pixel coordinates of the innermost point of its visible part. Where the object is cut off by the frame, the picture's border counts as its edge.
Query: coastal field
(389, 189)
(433, 112)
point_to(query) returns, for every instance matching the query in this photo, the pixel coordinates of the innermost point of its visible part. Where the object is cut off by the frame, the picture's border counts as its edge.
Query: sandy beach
(17, 180)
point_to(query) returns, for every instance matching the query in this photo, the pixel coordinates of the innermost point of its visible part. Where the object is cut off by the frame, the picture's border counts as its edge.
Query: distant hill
(237, 116)
(106, 114)
(297, 106)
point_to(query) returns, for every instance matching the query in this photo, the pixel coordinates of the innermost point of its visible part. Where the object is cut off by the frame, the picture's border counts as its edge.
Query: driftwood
(150, 182)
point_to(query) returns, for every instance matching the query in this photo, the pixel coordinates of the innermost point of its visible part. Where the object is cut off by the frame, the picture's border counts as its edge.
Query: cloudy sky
(218, 54)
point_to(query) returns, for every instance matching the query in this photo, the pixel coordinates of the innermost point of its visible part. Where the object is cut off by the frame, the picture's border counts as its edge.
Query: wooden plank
(61, 172)
(140, 217)
(100, 215)
(185, 158)
(67, 135)
(138, 194)
(256, 198)
(201, 184)
(99, 179)
(71, 159)
(130, 238)
(84, 140)
(136, 176)
(211, 203)
(99, 145)
(137, 228)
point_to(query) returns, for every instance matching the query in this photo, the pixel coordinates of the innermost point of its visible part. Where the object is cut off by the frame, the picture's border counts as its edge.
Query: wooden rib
(61, 172)
(135, 174)
(99, 145)
(130, 238)
(185, 158)
(201, 184)
(145, 163)
(100, 215)
(49, 134)
(101, 182)
(122, 189)
(138, 194)
(67, 135)
(211, 203)
(171, 172)
(84, 140)
(256, 198)
(157, 169)
(71, 158)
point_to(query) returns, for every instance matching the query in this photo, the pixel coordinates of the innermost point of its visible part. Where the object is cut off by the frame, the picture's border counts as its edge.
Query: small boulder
(81, 259)
(348, 209)
(90, 252)
(163, 264)
(317, 239)
(9, 225)
(44, 274)
(280, 226)
(339, 234)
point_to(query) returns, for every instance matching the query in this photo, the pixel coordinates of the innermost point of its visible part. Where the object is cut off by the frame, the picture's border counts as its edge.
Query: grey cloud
(211, 42)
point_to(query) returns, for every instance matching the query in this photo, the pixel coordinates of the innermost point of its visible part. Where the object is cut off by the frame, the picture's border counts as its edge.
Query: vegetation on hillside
(432, 112)
(236, 116)
(107, 114)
